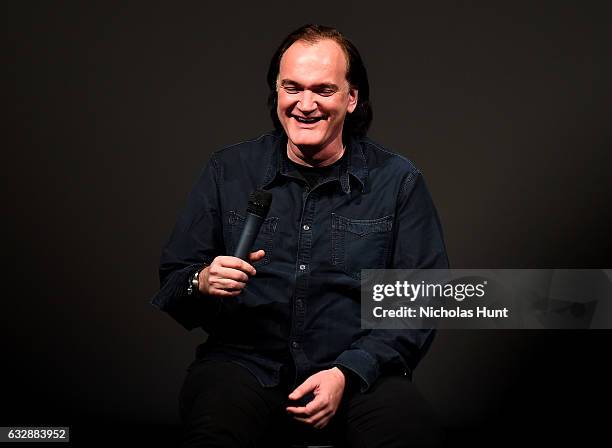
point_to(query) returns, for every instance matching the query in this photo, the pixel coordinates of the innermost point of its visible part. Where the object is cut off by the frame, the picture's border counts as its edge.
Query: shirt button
(295, 344)
(302, 267)
(306, 227)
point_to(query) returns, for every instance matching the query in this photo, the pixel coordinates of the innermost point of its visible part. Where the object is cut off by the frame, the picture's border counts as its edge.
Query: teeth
(306, 120)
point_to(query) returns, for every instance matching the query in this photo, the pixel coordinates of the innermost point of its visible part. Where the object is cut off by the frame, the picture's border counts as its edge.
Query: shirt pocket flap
(362, 227)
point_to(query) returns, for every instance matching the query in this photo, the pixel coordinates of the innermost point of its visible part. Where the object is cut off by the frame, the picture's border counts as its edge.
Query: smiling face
(314, 97)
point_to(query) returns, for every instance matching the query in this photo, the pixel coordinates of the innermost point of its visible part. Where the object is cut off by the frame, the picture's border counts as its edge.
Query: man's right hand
(226, 275)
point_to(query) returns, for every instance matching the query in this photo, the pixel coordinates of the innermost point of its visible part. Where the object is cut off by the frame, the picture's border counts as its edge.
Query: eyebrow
(325, 85)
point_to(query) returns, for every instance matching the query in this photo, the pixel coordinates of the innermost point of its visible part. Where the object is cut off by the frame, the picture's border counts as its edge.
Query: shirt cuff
(362, 364)
(190, 311)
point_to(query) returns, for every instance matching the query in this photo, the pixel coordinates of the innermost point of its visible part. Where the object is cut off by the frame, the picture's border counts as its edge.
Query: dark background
(113, 108)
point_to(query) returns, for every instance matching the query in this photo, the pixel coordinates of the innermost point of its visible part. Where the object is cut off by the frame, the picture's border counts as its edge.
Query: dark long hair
(355, 123)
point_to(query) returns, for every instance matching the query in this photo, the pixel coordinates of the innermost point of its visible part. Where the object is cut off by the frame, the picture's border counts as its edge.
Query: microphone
(257, 210)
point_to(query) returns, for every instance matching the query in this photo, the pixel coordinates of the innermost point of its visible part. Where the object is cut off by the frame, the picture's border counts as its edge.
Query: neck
(315, 157)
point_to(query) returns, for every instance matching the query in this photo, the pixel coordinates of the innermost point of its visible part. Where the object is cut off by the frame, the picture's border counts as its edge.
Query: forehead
(307, 63)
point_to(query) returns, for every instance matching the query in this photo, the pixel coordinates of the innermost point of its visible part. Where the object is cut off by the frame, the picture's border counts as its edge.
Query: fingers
(323, 422)
(307, 386)
(313, 407)
(226, 261)
(319, 420)
(227, 276)
(226, 284)
(317, 413)
(257, 255)
(328, 387)
(223, 292)
(231, 274)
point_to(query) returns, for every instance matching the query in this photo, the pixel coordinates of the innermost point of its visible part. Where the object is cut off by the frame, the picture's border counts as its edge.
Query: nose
(307, 103)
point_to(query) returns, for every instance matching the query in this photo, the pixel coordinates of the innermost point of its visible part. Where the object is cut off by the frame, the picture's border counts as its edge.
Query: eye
(291, 89)
(325, 92)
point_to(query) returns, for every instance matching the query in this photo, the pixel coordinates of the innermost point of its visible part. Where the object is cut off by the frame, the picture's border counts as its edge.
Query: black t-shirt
(313, 175)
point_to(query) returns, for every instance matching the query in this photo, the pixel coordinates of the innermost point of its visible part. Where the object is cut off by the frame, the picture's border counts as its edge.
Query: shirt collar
(354, 164)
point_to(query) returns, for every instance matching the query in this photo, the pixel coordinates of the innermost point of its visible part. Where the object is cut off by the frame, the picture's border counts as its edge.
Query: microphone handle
(249, 234)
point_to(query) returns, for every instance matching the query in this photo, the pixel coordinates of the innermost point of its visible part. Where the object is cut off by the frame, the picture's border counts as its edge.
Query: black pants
(223, 405)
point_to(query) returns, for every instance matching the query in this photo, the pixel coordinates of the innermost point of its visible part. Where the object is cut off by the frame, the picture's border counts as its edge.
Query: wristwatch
(194, 281)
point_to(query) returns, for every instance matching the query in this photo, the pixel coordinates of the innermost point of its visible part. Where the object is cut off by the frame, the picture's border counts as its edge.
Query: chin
(299, 139)
(306, 143)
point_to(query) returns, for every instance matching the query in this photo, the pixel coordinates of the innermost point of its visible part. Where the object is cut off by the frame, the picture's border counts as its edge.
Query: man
(285, 336)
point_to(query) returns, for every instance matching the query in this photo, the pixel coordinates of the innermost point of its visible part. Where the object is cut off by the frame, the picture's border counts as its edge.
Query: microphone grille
(259, 203)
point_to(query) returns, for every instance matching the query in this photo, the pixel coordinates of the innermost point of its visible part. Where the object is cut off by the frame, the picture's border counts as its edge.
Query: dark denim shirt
(303, 305)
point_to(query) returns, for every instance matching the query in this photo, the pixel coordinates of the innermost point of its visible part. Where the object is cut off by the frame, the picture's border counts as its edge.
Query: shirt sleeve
(197, 238)
(418, 244)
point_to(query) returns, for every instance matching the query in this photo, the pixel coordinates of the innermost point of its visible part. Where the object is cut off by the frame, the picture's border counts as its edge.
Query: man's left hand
(327, 387)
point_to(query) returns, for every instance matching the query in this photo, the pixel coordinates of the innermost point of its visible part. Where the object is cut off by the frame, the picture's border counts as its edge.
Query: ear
(353, 94)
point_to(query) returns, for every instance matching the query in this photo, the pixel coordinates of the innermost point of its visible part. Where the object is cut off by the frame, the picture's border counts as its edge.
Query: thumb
(257, 255)
(307, 386)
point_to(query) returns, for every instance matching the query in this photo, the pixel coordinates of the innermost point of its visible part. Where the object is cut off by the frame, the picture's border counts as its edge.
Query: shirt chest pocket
(360, 243)
(234, 227)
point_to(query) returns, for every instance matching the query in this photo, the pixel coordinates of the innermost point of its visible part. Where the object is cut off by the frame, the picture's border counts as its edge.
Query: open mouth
(310, 120)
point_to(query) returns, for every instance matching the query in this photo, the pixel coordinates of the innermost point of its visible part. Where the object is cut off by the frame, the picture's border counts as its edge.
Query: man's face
(313, 94)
